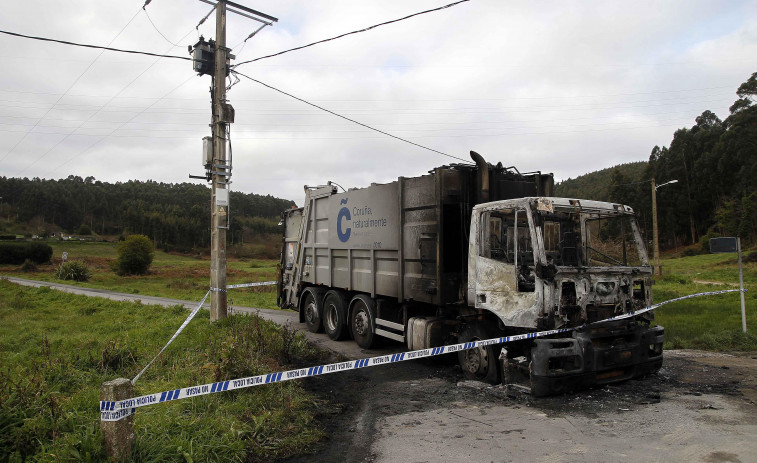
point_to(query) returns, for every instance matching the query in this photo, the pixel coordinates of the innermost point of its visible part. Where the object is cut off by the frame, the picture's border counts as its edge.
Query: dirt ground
(700, 407)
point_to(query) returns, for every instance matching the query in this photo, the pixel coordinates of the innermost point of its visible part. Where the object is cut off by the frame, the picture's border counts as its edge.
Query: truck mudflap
(604, 354)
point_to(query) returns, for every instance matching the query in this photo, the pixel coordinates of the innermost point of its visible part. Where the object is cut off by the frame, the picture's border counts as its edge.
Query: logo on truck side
(344, 213)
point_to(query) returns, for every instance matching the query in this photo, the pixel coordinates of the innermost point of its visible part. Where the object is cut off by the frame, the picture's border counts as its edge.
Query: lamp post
(657, 267)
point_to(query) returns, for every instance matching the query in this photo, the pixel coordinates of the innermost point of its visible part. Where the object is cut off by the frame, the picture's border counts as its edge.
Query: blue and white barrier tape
(250, 285)
(191, 316)
(108, 409)
(181, 328)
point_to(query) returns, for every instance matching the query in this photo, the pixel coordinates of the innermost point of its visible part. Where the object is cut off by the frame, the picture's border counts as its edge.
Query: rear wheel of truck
(312, 308)
(480, 363)
(363, 321)
(334, 315)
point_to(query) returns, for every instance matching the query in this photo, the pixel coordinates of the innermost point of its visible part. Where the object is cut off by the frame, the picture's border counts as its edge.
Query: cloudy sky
(557, 86)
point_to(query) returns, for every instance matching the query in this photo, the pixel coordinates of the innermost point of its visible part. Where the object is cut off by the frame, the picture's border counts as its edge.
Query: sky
(566, 87)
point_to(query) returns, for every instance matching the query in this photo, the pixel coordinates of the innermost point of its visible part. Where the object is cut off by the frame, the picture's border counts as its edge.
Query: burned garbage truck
(472, 252)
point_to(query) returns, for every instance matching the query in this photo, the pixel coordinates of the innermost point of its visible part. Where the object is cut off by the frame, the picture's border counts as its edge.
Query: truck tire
(335, 315)
(312, 308)
(480, 363)
(363, 320)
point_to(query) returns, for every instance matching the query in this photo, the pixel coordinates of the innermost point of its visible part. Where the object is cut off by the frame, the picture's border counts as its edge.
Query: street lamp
(654, 225)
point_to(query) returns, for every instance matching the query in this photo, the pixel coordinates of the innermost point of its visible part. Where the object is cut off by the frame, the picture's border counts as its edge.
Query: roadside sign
(726, 244)
(732, 244)
(65, 256)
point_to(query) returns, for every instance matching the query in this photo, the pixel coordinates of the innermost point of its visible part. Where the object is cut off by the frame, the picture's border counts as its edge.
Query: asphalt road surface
(700, 407)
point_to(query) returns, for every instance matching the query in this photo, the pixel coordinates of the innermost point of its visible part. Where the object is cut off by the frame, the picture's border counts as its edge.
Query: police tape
(243, 285)
(250, 285)
(191, 316)
(116, 410)
(181, 328)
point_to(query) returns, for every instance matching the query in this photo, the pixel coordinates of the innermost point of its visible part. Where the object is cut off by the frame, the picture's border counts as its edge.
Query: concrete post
(119, 435)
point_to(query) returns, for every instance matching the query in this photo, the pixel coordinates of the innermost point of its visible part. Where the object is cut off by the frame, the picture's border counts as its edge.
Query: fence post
(119, 435)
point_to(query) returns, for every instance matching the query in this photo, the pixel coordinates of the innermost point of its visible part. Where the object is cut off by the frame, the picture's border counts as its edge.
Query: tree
(135, 255)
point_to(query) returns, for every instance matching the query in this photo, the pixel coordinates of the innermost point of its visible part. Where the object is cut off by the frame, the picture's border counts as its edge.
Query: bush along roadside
(17, 253)
(74, 270)
(59, 348)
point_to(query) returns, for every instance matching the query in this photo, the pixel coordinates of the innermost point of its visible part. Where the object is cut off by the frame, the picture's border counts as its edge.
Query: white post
(741, 286)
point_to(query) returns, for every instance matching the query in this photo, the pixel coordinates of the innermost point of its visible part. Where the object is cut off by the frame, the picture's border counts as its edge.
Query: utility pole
(655, 236)
(657, 266)
(220, 173)
(213, 58)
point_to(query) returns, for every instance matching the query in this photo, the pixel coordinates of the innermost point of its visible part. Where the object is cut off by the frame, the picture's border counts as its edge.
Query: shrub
(28, 266)
(17, 253)
(85, 230)
(73, 270)
(704, 241)
(135, 255)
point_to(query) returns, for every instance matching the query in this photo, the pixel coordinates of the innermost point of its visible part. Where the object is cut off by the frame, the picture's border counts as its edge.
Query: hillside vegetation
(174, 216)
(715, 165)
(596, 185)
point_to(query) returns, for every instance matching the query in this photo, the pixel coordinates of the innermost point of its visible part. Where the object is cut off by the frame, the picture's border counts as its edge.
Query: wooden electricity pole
(220, 172)
(656, 269)
(217, 168)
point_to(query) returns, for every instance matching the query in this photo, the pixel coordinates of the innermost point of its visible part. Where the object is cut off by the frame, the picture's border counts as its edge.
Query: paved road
(348, 349)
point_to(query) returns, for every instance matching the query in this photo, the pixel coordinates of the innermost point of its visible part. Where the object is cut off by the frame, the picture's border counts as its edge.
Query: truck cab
(542, 263)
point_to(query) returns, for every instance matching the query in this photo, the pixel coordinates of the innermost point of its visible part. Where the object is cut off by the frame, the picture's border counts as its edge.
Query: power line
(351, 120)
(432, 99)
(351, 33)
(156, 28)
(100, 108)
(98, 47)
(68, 89)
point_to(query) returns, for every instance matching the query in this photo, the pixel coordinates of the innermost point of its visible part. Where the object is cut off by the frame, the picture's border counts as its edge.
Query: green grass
(709, 322)
(171, 275)
(56, 349)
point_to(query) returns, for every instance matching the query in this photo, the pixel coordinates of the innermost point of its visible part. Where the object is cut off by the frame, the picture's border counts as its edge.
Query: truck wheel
(363, 321)
(312, 308)
(334, 316)
(480, 363)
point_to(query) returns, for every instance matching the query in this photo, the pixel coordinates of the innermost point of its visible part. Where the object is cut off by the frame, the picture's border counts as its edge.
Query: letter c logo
(344, 213)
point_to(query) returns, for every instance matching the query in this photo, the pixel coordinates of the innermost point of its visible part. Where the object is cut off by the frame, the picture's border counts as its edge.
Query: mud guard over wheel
(312, 309)
(480, 363)
(335, 315)
(363, 320)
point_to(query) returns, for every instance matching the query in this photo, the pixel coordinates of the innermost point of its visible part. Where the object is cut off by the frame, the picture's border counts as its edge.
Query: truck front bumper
(607, 353)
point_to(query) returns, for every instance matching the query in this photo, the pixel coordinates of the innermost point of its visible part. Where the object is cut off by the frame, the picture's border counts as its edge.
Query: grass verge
(56, 349)
(710, 322)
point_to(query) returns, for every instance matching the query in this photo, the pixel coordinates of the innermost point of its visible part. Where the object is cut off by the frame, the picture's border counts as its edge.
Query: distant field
(56, 349)
(175, 276)
(712, 323)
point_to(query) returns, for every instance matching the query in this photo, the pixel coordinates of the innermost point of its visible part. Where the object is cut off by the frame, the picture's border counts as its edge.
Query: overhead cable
(353, 32)
(351, 120)
(158, 30)
(92, 63)
(98, 47)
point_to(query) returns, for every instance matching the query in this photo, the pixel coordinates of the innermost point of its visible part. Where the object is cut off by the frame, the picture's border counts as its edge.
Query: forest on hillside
(174, 216)
(715, 165)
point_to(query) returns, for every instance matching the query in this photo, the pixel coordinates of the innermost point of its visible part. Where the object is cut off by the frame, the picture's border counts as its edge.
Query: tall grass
(56, 349)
